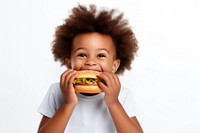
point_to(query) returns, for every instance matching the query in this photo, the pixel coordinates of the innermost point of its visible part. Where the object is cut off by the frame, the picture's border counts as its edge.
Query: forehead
(94, 41)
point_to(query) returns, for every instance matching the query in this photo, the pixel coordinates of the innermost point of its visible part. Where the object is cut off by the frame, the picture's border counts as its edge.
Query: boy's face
(93, 51)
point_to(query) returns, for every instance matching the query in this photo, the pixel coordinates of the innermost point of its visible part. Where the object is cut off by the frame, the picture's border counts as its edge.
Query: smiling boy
(91, 40)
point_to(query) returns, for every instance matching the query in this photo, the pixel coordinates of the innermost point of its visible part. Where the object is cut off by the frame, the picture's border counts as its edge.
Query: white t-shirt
(90, 114)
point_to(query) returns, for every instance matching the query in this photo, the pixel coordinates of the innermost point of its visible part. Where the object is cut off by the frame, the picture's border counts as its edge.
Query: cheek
(106, 66)
(75, 64)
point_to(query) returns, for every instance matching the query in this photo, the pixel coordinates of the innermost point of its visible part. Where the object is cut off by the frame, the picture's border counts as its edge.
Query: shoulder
(55, 94)
(127, 100)
(54, 88)
(125, 91)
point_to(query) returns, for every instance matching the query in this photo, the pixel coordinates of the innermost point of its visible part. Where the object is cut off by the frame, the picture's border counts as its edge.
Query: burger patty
(82, 81)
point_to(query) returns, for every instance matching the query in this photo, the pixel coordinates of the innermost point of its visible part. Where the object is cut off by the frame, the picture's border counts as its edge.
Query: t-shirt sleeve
(128, 103)
(48, 105)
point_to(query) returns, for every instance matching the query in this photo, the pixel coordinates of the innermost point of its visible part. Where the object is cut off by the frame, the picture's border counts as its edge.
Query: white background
(165, 78)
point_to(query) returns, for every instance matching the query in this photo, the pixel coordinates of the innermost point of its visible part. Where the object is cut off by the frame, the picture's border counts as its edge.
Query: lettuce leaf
(85, 81)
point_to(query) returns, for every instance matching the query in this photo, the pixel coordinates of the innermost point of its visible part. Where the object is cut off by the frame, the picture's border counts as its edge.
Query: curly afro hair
(85, 20)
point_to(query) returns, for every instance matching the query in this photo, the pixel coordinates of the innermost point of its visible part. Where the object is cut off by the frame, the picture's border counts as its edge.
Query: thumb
(102, 86)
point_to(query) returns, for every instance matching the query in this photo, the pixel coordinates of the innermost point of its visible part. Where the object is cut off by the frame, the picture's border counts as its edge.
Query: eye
(101, 55)
(82, 55)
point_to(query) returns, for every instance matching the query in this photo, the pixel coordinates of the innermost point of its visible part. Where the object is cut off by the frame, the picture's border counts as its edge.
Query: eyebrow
(104, 50)
(79, 49)
(82, 48)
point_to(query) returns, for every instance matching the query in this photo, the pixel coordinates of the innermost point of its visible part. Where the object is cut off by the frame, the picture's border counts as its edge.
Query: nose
(90, 62)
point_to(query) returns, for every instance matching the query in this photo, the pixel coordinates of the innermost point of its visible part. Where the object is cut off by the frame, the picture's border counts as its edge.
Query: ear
(116, 65)
(68, 63)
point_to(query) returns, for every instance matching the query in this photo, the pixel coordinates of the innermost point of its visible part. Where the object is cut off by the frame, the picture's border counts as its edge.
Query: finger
(63, 75)
(108, 78)
(104, 78)
(102, 86)
(112, 82)
(116, 80)
(68, 77)
(71, 80)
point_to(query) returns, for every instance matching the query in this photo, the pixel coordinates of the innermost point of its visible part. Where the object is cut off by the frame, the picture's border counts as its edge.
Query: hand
(67, 88)
(111, 86)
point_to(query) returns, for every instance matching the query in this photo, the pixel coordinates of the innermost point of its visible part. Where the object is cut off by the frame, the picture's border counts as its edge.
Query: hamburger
(86, 82)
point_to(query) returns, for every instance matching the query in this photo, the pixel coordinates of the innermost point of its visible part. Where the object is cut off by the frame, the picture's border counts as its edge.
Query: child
(91, 40)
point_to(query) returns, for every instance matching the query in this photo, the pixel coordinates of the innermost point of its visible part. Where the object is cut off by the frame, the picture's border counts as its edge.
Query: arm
(58, 122)
(123, 122)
